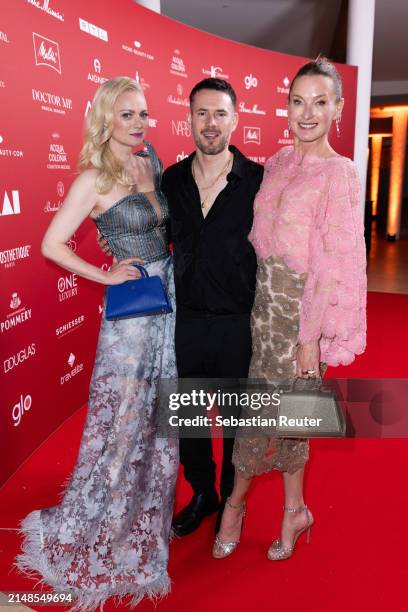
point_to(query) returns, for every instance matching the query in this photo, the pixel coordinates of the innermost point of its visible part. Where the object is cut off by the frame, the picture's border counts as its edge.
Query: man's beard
(212, 149)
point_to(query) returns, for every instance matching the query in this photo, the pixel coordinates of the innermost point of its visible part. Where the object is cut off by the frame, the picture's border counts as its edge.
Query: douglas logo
(15, 360)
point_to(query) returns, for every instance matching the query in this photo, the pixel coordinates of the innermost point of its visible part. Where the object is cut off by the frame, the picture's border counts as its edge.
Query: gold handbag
(308, 410)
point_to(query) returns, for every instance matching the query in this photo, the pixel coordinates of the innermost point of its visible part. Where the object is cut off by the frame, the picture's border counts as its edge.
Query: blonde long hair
(96, 151)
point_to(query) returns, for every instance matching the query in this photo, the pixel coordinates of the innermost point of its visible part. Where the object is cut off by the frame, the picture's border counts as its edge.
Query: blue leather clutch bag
(137, 298)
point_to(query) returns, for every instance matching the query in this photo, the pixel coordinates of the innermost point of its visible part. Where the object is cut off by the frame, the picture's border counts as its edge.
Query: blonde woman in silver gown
(109, 536)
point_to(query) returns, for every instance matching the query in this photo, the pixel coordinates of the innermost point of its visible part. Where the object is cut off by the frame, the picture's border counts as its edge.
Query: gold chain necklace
(204, 202)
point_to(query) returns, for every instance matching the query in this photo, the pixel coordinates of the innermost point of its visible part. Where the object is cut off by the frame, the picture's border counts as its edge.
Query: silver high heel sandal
(224, 549)
(277, 552)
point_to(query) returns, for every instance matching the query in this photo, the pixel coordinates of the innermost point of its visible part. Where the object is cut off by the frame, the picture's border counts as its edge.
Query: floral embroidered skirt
(110, 534)
(275, 329)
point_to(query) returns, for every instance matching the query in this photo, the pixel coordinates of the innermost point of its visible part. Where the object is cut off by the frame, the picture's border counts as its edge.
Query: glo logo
(250, 81)
(19, 409)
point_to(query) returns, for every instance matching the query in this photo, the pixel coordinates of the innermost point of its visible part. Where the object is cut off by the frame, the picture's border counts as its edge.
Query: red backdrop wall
(54, 54)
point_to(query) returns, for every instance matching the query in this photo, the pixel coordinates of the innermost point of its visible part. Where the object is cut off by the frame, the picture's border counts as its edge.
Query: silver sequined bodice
(132, 226)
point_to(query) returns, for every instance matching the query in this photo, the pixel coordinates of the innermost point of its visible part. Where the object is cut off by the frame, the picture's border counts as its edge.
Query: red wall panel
(53, 56)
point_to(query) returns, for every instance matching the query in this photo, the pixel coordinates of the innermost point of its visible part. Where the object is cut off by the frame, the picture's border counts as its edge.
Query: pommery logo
(46, 52)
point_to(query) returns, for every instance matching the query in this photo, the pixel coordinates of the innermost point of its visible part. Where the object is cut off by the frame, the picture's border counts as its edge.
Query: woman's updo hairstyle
(321, 66)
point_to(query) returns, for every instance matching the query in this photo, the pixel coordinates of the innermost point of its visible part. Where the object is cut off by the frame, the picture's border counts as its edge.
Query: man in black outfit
(211, 195)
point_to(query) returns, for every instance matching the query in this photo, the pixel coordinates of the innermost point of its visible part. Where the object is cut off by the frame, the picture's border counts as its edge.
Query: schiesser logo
(18, 358)
(68, 327)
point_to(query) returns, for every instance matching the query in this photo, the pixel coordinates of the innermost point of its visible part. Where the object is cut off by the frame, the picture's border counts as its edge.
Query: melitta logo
(215, 72)
(45, 6)
(57, 158)
(14, 360)
(23, 405)
(70, 326)
(17, 316)
(74, 370)
(181, 156)
(67, 287)
(11, 206)
(46, 52)
(252, 134)
(50, 102)
(93, 30)
(253, 110)
(180, 128)
(250, 81)
(9, 257)
(54, 206)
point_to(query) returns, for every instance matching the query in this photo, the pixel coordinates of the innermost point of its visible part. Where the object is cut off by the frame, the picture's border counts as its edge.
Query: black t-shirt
(215, 264)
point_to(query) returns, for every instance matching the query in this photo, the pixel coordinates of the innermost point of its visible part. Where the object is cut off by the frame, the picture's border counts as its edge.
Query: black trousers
(210, 346)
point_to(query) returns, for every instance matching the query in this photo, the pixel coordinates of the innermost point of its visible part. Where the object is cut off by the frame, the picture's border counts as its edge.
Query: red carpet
(355, 488)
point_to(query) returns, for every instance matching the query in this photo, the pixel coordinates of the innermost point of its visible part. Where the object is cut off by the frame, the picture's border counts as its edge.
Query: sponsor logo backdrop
(53, 56)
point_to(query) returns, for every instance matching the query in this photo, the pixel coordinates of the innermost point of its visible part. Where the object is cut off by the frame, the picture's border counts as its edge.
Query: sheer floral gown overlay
(109, 535)
(311, 284)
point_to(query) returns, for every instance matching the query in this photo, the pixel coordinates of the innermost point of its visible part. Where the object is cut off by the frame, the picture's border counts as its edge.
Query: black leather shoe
(190, 518)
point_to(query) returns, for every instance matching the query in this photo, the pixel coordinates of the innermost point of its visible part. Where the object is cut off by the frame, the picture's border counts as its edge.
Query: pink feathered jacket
(307, 212)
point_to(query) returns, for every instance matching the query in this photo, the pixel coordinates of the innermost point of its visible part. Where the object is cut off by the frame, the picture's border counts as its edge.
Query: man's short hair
(216, 85)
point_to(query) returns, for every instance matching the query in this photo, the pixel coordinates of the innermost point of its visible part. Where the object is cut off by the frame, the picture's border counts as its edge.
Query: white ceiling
(302, 27)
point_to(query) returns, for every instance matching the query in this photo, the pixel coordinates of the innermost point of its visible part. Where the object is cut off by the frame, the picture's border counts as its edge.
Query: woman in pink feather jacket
(310, 302)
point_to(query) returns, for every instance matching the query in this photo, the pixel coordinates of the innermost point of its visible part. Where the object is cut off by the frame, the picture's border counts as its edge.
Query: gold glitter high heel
(224, 549)
(277, 552)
